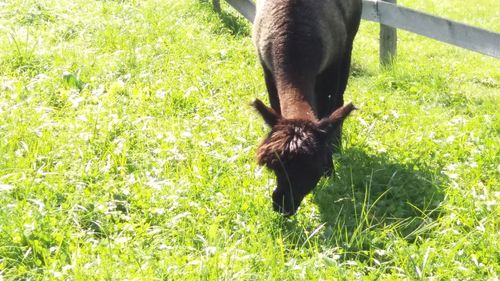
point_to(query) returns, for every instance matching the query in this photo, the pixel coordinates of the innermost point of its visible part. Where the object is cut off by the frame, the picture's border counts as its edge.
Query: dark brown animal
(305, 50)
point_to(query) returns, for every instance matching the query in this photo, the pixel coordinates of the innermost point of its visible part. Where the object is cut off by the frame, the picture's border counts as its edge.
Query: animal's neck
(297, 103)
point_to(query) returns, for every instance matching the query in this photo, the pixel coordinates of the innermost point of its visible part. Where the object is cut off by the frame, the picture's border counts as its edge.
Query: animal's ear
(270, 116)
(336, 118)
(341, 113)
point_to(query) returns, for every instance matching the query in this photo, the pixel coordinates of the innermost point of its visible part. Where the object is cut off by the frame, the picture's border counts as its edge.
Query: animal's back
(299, 37)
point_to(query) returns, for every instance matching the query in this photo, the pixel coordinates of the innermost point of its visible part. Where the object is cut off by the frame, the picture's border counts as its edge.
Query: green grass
(127, 150)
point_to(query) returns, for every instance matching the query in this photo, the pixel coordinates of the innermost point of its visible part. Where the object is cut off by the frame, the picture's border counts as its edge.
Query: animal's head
(296, 151)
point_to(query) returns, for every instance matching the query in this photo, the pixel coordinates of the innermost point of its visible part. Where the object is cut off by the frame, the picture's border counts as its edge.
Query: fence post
(388, 42)
(216, 4)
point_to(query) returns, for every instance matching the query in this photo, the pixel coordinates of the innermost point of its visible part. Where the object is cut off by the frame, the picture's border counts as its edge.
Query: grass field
(127, 152)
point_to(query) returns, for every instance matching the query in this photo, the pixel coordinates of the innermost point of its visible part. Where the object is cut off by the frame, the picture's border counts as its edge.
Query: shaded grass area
(127, 152)
(372, 192)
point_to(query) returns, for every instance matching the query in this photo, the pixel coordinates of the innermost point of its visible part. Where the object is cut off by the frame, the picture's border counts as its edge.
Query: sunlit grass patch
(127, 150)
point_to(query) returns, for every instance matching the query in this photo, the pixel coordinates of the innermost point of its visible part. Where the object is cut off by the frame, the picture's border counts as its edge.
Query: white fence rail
(392, 15)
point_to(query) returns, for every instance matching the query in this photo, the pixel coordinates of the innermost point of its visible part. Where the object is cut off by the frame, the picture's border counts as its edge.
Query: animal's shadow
(369, 196)
(235, 25)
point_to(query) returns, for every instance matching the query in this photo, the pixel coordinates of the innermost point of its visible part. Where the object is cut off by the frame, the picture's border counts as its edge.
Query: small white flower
(67, 267)
(121, 240)
(186, 135)
(159, 211)
(161, 94)
(6, 187)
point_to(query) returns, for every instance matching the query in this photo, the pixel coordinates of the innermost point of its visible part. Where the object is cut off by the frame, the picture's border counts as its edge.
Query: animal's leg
(330, 88)
(342, 80)
(338, 98)
(326, 83)
(272, 90)
(338, 101)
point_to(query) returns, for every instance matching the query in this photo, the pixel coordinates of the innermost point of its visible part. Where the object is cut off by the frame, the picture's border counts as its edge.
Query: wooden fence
(392, 17)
